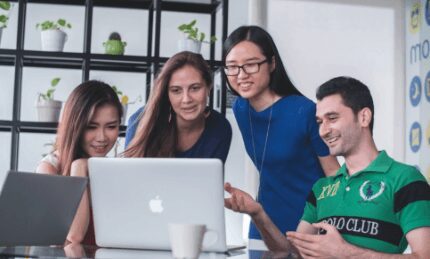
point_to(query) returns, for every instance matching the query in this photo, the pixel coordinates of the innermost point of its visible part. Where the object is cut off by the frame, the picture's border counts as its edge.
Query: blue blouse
(213, 143)
(290, 165)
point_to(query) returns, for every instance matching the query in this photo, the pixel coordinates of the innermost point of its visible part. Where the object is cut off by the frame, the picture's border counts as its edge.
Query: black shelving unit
(87, 61)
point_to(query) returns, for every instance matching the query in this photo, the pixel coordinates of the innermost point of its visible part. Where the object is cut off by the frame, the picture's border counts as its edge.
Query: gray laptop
(38, 209)
(134, 199)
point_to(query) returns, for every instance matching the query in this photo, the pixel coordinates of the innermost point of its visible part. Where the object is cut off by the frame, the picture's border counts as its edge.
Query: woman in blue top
(278, 126)
(175, 121)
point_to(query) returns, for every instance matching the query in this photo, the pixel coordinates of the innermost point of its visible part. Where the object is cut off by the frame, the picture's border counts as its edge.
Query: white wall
(322, 39)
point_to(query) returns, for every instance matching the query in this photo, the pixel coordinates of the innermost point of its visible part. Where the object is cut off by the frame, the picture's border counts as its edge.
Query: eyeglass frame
(243, 68)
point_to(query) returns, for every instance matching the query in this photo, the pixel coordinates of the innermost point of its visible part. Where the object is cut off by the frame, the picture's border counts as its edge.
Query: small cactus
(115, 36)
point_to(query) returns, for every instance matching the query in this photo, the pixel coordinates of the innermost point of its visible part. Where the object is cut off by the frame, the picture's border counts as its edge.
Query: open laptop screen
(38, 209)
(134, 199)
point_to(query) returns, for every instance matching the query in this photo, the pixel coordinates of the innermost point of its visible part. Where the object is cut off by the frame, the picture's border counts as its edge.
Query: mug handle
(216, 237)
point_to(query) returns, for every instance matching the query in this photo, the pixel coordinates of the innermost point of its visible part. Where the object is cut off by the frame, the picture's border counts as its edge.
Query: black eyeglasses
(250, 68)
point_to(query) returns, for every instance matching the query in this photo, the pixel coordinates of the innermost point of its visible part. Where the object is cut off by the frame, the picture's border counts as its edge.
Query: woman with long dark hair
(176, 121)
(278, 126)
(89, 127)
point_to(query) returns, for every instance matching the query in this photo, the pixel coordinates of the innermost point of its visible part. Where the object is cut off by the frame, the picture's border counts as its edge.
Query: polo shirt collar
(381, 164)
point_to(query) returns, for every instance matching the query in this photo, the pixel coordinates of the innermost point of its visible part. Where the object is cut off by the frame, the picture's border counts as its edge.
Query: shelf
(189, 7)
(5, 126)
(132, 4)
(38, 127)
(52, 59)
(175, 6)
(125, 63)
(86, 61)
(69, 60)
(7, 57)
(57, 2)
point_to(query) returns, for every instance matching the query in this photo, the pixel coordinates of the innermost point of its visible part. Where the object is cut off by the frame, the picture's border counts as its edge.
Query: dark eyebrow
(331, 113)
(247, 60)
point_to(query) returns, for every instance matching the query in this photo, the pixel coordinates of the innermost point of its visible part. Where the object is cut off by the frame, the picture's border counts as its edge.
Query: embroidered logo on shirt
(329, 190)
(371, 190)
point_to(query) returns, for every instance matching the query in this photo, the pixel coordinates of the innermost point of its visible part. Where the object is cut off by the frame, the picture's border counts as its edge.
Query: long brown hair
(157, 133)
(78, 111)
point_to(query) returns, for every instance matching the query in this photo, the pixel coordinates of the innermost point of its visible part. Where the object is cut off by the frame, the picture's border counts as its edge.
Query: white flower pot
(124, 114)
(53, 40)
(189, 45)
(48, 110)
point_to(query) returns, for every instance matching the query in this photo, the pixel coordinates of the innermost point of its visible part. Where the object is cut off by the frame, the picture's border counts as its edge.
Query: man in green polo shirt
(372, 208)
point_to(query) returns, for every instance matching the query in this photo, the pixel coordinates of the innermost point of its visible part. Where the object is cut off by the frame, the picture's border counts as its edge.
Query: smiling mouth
(245, 86)
(331, 140)
(100, 149)
(188, 110)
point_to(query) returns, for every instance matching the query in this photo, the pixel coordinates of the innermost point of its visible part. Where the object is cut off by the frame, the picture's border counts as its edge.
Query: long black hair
(280, 83)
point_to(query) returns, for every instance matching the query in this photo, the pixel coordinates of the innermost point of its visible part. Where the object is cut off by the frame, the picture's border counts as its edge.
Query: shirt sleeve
(412, 202)
(310, 211)
(132, 126)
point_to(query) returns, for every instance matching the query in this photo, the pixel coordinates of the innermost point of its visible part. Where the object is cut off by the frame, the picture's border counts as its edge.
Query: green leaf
(52, 25)
(44, 97)
(182, 27)
(55, 81)
(213, 39)
(61, 22)
(117, 91)
(50, 93)
(3, 18)
(202, 36)
(5, 5)
(193, 32)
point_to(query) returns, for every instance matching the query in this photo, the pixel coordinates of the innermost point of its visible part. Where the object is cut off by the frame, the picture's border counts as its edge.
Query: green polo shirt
(374, 208)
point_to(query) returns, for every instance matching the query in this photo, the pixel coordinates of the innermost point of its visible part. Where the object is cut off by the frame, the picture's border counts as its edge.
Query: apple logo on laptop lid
(156, 205)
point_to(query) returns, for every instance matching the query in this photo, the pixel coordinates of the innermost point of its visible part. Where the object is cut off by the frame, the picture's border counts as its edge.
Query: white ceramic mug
(186, 239)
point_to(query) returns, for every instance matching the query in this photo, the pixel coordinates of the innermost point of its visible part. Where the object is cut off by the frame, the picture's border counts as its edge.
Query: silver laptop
(134, 199)
(38, 209)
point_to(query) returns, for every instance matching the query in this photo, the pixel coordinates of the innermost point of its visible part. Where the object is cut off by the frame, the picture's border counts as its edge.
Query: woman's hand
(241, 201)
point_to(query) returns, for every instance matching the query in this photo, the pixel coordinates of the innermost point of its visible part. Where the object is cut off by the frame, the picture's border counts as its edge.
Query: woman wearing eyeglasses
(278, 127)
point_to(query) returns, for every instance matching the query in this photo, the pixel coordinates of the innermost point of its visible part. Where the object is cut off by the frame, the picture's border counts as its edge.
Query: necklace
(265, 141)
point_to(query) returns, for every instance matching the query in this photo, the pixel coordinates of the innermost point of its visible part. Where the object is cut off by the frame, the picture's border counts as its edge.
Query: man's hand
(329, 245)
(241, 201)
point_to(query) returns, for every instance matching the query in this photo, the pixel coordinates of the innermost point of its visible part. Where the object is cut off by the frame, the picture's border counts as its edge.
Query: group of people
(306, 204)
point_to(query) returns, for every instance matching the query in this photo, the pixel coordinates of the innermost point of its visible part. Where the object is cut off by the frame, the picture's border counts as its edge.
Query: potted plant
(125, 102)
(5, 7)
(48, 109)
(114, 46)
(53, 35)
(193, 38)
